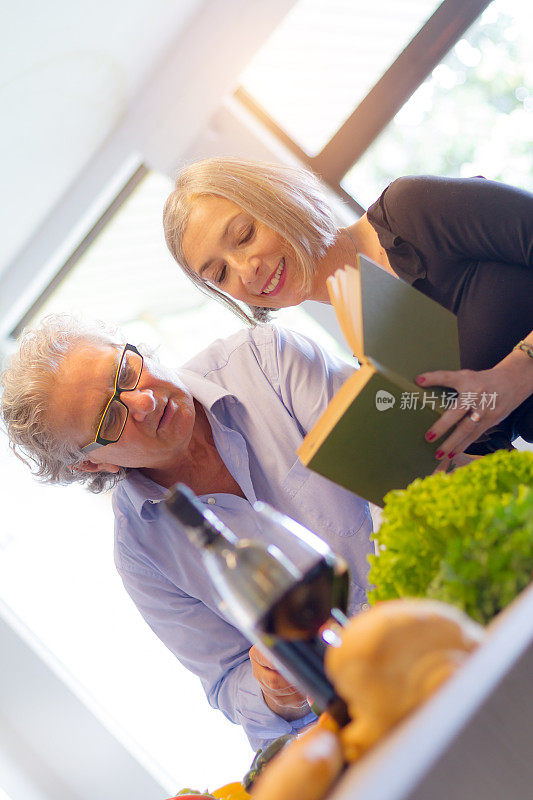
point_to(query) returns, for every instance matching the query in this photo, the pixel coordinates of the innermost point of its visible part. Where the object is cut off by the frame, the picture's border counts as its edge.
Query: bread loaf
(303, 770)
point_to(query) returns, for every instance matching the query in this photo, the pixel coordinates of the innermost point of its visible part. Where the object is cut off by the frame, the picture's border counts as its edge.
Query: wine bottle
(269, 598)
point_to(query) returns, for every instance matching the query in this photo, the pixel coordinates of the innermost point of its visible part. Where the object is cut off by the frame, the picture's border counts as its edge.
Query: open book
(370, 438)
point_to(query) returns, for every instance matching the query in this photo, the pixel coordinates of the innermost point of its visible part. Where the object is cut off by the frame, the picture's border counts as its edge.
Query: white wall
(52, 745)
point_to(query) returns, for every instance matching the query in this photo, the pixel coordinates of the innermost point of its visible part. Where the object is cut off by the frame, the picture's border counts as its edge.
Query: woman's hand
(280, 696)
(485, 398)
(461, 460)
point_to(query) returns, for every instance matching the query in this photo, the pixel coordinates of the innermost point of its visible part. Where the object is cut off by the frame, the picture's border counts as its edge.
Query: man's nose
(140, 403)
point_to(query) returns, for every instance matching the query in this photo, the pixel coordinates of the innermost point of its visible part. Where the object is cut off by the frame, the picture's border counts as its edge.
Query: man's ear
(91, 466)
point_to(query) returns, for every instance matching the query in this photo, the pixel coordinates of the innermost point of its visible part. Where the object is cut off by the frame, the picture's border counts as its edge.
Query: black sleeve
(459, 218)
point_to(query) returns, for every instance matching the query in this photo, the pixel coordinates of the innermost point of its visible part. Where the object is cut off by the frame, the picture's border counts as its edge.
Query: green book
(370, 438)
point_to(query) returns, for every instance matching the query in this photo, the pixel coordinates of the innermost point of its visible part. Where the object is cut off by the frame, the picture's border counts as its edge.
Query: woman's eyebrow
(209, 261)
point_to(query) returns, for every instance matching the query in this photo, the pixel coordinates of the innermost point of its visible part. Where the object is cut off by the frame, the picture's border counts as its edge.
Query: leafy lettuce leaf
(465, 537)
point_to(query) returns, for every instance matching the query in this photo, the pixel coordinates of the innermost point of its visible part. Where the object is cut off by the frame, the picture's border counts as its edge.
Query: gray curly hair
(289, 200)
(26, 382)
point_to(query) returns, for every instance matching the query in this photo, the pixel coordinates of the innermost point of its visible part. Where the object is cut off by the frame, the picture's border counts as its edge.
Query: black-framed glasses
(116, 412)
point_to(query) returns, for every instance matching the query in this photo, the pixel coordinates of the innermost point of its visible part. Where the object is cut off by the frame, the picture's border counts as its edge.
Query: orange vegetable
(231, 791)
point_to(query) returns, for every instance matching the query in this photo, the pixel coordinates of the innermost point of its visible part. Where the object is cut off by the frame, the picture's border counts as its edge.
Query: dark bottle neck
(202, 527)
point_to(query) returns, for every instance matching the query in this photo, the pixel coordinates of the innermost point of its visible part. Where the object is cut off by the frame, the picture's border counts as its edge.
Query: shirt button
(211, 501)
(364, 606)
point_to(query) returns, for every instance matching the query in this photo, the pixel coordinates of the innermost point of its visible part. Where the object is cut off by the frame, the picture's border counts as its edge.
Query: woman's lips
(281, 280)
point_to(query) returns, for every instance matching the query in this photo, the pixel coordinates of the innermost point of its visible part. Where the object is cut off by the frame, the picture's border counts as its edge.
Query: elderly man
(79, 406)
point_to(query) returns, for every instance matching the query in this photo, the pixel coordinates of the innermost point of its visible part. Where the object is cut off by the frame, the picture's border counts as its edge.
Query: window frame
(441, 31)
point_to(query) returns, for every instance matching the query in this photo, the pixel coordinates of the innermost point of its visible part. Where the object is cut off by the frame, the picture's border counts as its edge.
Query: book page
(352, 297)
(345, 294)
(335, 295)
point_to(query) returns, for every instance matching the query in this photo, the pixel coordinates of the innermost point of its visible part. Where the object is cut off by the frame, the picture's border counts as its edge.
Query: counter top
(473, 739)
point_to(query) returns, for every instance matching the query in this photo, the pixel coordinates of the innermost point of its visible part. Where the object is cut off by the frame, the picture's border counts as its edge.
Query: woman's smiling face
(230, 249)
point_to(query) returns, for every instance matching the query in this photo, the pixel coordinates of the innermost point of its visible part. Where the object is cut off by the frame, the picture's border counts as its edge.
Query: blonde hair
(289, 200)
(27, 382)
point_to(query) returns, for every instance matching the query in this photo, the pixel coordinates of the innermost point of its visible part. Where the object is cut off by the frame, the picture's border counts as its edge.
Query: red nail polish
(420, 379)
(451, 455)
(430, 435)
(439, 453)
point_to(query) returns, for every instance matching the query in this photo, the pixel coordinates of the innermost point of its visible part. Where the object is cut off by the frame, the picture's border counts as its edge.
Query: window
(364, 94)
(472, 116)
(328, 55)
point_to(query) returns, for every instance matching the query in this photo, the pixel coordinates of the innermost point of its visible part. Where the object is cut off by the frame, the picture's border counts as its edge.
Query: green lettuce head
(465, 538)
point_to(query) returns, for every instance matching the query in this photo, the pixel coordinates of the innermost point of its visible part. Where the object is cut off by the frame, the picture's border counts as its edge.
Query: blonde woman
(264, 235)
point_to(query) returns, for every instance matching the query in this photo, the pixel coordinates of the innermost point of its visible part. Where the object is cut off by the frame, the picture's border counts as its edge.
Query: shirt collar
(205, 391)
(142, 491)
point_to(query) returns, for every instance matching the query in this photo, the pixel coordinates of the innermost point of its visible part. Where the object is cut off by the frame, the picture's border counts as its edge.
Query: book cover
(402, 329)
(370, 439)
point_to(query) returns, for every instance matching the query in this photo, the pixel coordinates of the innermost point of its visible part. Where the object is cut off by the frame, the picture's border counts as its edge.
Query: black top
(468, 244)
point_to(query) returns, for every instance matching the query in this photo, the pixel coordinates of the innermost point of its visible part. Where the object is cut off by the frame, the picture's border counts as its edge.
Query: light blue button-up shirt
(262, 390)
